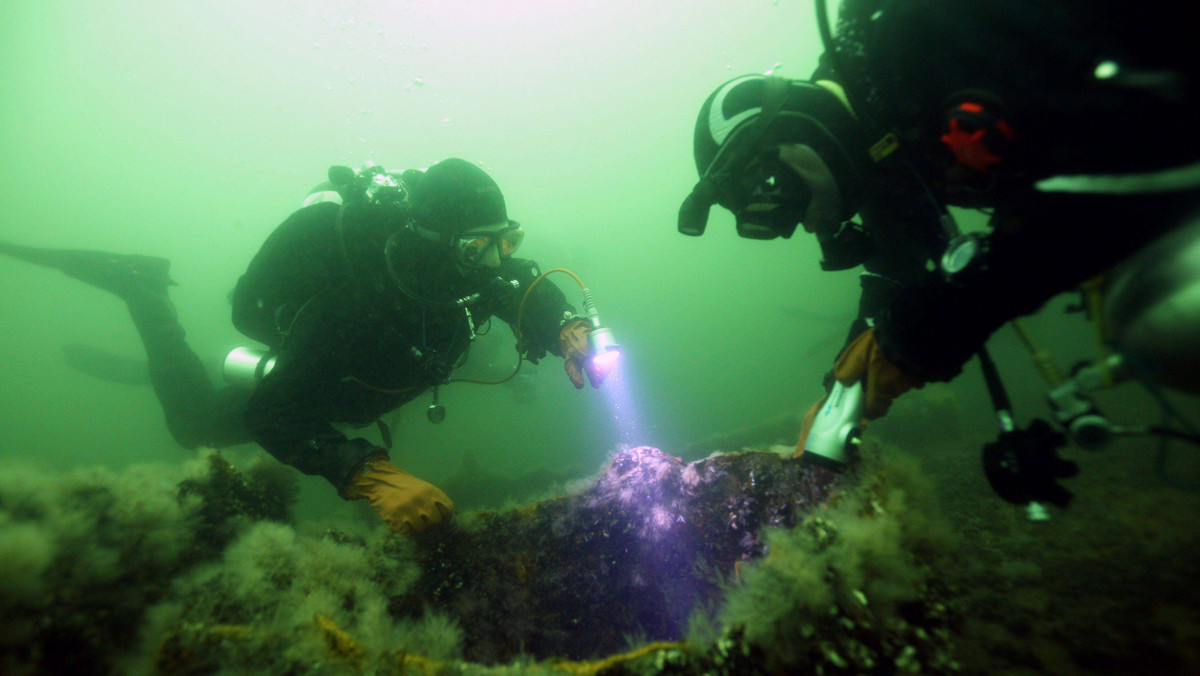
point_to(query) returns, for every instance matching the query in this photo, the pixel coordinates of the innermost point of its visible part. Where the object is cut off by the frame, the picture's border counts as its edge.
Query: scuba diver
(1071, 124)
(367, 296)
(810, 168)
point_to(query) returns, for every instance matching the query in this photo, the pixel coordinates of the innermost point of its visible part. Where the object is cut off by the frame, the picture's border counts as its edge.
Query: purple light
(645, 483)
(619, 391)
(606, 360)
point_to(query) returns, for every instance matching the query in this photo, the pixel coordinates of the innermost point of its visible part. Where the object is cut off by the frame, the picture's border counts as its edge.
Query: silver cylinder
(1154, 309)
(601, 339)
(245, 366)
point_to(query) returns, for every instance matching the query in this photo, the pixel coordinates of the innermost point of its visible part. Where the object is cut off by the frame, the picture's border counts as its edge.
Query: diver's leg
(197, 414)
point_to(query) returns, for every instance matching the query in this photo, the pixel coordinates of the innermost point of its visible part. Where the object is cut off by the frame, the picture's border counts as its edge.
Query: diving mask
(470, 248)
(769, 200)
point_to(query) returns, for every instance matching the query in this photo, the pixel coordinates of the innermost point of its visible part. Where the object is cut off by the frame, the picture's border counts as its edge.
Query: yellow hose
(1093, 291)
(517, 329)
(1041, 358)
(1093, 294)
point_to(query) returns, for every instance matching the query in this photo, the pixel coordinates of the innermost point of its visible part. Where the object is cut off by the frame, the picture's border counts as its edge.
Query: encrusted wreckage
(652, 540)
(740, 563)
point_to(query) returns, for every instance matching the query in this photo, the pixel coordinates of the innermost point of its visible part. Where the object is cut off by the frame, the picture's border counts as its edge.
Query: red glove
(404, 502)
(572, 339)
(883, 381)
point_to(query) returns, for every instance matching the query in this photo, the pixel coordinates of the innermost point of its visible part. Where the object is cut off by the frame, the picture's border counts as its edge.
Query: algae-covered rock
(633, 555)
(85, 554)
(792, 566)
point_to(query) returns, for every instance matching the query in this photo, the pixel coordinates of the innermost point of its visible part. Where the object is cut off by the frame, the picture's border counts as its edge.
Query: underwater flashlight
(836, 431)
(606, 352)
(436, 412)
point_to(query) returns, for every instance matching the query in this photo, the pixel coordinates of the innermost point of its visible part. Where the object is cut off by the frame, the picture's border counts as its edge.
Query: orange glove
(403, 501)
(572, 339)
(883, 381)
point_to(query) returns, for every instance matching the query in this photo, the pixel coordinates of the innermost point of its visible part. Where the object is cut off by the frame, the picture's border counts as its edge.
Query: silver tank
(1153, 309)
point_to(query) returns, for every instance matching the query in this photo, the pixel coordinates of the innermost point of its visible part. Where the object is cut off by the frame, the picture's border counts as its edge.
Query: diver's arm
(289, 412)
(280, 421)
(1050, 244)
(545, 312)
(307, 442)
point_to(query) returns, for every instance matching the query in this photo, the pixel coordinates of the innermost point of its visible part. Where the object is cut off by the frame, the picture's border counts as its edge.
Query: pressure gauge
(964, 252)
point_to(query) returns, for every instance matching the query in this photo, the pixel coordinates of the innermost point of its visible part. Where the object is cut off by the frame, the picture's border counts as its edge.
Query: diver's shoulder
(316, 212)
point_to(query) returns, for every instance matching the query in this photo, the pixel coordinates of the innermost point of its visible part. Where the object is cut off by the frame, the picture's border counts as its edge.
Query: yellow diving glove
(573, 341)
(862, 361)
(404, 502)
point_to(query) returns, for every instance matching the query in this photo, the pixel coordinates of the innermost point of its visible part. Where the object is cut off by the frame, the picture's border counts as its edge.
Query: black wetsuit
(906, 61)
(350, 348)
(900, 234)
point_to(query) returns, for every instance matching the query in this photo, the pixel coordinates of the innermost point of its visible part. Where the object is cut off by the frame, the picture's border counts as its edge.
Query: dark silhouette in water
(474, 487)
(104, 365)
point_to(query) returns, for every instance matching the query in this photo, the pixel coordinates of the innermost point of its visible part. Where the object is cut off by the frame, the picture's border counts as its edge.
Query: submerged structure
(634, 555)
(739, 563)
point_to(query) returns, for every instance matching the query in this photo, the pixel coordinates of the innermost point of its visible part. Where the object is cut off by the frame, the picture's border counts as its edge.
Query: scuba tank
(1153, 309)
(243, 367)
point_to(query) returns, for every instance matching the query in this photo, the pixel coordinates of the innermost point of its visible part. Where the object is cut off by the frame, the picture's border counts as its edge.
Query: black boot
(120, 274)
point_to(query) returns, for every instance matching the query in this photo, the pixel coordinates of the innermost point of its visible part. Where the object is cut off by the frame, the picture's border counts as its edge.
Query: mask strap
(693, 214)
(775, 91)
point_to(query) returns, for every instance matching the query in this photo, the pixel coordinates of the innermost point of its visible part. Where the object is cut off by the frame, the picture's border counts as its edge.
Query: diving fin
(120, 274)
(106, 366)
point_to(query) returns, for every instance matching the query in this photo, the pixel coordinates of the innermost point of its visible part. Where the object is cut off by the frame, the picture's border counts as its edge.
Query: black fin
(106, 366)
(116, 273)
